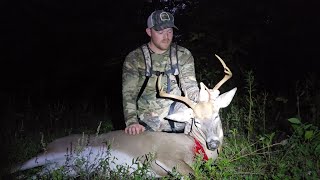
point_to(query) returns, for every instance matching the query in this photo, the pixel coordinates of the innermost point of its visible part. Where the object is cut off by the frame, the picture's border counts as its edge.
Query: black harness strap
(141, 90)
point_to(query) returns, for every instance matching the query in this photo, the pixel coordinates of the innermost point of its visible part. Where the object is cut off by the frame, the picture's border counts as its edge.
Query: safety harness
(174, 70)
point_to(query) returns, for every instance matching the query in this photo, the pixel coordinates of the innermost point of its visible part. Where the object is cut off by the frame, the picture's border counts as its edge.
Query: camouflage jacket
(133, 76)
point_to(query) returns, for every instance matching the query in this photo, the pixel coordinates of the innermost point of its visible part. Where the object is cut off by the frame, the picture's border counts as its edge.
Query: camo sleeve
(130, 88)
(187, 74)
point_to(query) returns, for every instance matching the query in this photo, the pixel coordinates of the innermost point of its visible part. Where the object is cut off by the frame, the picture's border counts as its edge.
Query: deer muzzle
(213, 144)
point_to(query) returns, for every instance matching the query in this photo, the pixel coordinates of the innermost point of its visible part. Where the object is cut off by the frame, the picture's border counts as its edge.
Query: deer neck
(197, 134)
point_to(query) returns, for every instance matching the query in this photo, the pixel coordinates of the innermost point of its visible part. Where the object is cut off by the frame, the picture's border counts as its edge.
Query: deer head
(202, 119)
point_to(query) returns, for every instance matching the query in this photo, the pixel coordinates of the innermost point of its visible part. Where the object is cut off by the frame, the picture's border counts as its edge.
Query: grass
(252, 148)
(296, 157)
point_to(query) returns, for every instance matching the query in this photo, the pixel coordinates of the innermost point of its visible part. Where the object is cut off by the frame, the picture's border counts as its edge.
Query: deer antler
(227, 76)
(184, 99)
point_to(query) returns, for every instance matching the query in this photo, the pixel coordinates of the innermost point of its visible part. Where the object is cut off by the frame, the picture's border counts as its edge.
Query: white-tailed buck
(203, 133)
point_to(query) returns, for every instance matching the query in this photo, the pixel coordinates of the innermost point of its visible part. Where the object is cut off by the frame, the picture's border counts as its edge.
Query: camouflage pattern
(152, 110)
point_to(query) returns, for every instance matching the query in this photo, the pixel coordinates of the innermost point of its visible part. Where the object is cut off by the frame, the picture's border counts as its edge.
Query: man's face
(161, 39)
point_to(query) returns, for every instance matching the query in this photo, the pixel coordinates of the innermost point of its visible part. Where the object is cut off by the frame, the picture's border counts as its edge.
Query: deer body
(170, 150)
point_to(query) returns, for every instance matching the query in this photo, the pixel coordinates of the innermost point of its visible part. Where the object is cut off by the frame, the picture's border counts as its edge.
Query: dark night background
(70, 53)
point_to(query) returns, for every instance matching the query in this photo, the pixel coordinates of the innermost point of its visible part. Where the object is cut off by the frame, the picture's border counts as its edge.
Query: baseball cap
(160, 20)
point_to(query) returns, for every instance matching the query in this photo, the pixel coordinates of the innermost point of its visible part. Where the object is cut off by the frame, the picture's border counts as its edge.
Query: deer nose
(213, 144)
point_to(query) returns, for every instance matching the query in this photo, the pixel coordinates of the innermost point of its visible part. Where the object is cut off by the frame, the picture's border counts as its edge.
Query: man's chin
(165, 46)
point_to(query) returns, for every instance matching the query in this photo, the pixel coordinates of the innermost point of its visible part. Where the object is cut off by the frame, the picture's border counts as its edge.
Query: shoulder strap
(175, 63)
(147, 59)
(148, 66)
(175, 72)
(141, 90)
(148, 70)
(174, 59)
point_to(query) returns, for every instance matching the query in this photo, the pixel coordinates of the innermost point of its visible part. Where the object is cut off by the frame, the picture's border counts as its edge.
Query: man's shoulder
(135, 54)
(183, 49)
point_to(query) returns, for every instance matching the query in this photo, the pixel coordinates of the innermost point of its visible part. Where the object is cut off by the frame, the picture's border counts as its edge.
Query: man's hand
(134, 129)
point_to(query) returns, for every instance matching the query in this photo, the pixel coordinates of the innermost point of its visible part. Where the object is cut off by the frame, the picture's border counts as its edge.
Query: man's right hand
(134, 129)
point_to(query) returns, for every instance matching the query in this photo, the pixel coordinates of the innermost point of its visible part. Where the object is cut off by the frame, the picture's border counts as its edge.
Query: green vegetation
(252, 148)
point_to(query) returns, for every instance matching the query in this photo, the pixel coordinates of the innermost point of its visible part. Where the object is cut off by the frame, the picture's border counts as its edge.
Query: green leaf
(308, 135)
(298, 129)
(307, 126)
(294, 120)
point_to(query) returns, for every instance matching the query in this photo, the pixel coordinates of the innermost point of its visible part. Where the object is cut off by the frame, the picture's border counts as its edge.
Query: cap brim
(164, 26)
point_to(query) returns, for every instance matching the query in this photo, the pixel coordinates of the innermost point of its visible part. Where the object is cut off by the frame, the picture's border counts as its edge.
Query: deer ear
(182, 116)
(224, 99)
(204, 93)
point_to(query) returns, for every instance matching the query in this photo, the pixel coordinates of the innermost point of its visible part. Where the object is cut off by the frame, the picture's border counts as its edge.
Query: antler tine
(184, 99)
(228, 74)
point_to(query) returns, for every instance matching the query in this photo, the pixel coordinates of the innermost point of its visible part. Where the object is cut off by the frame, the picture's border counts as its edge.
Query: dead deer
(203, 134)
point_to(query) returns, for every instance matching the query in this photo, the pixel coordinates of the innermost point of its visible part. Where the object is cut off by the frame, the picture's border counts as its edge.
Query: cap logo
(164, 16)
